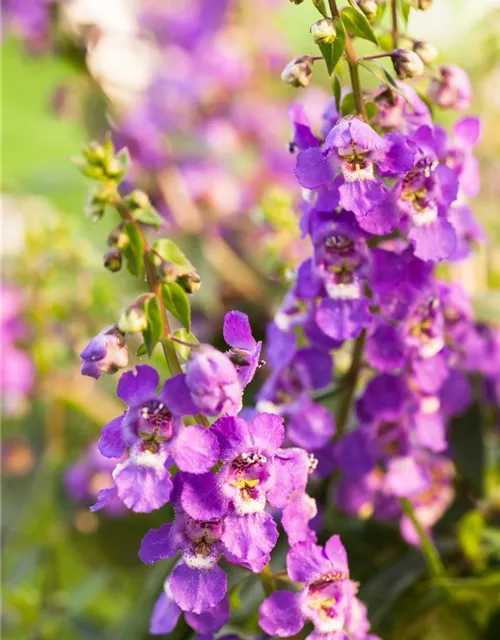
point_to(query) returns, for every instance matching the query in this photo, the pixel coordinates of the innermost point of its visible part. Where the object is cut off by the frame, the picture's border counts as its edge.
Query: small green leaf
(168, 250)
(153, 333)
(358, 25)
(133, 251)
(371, 109)
(470, 529)
(380, 13)
(123, 158)
(141, 351)
(321, 7)
(149, 215)
(348, 105)
(380, 72)
(186, 336)
(337, 90)
(333, 52)
(177, 303)
(404, 11)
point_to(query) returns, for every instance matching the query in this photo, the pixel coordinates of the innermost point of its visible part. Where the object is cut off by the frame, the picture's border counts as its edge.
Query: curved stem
(431, 554)
(154, 286)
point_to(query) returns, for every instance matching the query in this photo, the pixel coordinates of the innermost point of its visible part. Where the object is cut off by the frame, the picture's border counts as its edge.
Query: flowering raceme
(383, 201)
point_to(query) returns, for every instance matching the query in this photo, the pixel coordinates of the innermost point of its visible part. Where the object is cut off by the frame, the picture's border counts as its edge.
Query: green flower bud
(369, 8)
(94, 153)
(139, 199)
(296, 1)
(323, 31)
(113, 260)
(167, 271)
(407, 64)
(298, 71)
(425, 51)
(133, 320)
(118, 239)
(190, 282)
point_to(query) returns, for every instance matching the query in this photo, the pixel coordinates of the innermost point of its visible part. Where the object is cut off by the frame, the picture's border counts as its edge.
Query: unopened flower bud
(118, 239)
(113, 260)
(368, 7)
(190, 282)
(298, 71)
(167, 271)
(423, 5)
(407, 64)
(94, 153)
(114, 168)
(426, 51)
(296, 1)
(133, 319)
(105, 353)
(139, 199)
(323, 31)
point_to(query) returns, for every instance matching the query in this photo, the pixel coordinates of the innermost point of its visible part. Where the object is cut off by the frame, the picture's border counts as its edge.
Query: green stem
(267, 579)
(154, 286)
(431, 554)
(349, 383)
(353, 62)
(394, 18)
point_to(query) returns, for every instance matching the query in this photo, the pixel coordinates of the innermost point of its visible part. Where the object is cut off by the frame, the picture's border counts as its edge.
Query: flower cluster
(381, 210)
(384, 201)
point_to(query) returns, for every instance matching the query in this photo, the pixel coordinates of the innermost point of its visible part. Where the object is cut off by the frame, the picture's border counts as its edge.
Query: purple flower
(354, 149)
(87, 477)
(326, 597)
(245, 351)
(212, 382)
(105, 353)
(196, 584)
(401, 113)
(452, 90)
(152, 430)
(167, 612)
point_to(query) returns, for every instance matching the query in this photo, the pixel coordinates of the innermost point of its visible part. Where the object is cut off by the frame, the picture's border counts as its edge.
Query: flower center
(357, 167)
(155, 421)
(246, 476)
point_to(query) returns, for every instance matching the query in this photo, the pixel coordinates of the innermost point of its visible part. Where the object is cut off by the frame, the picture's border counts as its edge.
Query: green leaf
(380, 72)
(186, 336)
(141, 351)
(153, 333)
(470, 529)
(404, 11)
(371, 109)
(123, 157)
(357, 23)
(133, 252)
(348, 104)
(380, 13)
(337, 90)
(321, 7)
(149, 215)
(333, 52)
(168, 250)
(177, 303)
